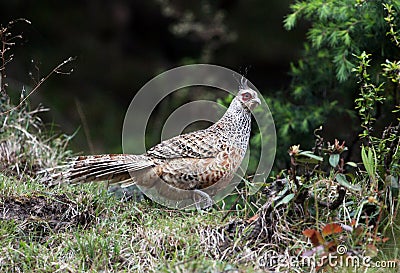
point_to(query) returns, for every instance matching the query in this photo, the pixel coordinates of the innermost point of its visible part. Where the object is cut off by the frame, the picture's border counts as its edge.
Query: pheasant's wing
(195, 173)
(194, 160)
(199, 144)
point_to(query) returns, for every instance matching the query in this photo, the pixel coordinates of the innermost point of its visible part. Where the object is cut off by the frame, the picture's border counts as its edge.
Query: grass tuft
(25, 146)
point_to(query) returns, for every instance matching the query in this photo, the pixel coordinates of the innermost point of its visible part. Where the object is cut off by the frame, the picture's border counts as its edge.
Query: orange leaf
(309, 232)
(332, 228)
(253, 218)
(315, 237)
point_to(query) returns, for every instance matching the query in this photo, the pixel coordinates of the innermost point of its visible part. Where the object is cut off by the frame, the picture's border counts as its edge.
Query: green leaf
(341, 179)
(285, 200)
(318, 41)
(334, 160)
(284, 129)
(304, 125)
(290, 21)
(368, 161)
(311, 155)
(352, 164)
(347, 39)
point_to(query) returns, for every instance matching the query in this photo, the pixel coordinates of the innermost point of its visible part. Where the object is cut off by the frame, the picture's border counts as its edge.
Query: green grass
(96, 232)
(114, 236)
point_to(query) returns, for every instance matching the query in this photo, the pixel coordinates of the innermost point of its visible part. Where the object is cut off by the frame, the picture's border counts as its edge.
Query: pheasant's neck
(235, 124)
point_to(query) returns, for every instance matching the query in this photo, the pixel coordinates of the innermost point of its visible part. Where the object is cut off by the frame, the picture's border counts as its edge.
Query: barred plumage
(192, 161)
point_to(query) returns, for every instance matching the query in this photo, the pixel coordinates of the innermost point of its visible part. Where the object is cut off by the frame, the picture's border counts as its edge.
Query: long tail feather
(112, 168)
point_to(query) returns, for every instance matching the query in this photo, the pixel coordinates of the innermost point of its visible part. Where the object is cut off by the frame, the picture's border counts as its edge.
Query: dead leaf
(331, 228)
(315, 236)
(253, 218)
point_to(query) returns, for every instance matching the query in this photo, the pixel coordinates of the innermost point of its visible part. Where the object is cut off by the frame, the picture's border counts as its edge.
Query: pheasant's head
(247, 96)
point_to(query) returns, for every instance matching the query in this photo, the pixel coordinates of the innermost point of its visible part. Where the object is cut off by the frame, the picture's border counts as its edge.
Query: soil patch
(44, 213)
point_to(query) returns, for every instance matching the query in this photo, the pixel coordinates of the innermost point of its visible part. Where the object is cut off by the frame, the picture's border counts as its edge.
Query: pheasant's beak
(254, 103)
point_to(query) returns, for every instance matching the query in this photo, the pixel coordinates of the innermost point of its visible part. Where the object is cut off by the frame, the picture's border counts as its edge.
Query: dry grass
(24, 146)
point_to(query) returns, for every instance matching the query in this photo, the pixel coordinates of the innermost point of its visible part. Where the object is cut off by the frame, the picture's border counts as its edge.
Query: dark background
(120, 45)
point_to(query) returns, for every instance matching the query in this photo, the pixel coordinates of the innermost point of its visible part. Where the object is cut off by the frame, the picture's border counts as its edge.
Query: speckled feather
(195, 160)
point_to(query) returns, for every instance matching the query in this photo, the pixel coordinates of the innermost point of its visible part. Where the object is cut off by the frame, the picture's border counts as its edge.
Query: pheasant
(198, 163)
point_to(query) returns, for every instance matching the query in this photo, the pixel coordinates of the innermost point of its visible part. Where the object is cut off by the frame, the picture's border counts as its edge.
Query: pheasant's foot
(199, 197)
(126, 193)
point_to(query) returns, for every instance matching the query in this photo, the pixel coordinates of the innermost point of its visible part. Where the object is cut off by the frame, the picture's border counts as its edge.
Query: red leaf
(332, 228)
(315, 237)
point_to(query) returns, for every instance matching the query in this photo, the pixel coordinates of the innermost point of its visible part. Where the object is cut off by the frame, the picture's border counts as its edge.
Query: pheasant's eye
(246, 96)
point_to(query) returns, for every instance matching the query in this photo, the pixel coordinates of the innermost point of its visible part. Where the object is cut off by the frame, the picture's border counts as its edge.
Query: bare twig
(7, 42)
(85, 125)
(56, 70)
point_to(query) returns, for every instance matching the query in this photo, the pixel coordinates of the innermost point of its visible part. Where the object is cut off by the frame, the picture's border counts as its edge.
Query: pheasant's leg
(200, 196)
(126, 193)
